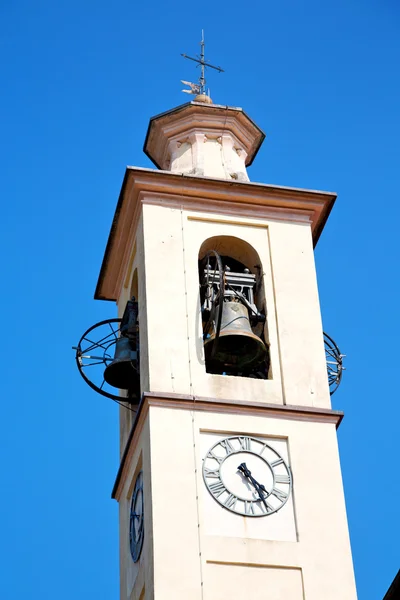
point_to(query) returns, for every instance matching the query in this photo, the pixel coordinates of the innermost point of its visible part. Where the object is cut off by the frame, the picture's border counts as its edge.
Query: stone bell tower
(229, 483)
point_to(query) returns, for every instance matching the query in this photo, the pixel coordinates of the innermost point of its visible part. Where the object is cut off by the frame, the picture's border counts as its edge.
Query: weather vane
(199, 88)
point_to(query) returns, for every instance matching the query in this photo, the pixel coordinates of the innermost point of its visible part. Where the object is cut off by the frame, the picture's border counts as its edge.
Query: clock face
(136, 524)
(247, 476)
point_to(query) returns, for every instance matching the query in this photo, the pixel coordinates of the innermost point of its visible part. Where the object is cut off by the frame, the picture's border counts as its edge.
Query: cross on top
(200, 88)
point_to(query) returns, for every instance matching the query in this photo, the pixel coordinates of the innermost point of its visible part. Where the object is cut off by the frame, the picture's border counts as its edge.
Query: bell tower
(229, 483)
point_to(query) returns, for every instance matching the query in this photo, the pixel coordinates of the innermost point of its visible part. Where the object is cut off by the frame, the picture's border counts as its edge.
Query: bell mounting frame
(224, 282)
(215, 316)
(94, 352)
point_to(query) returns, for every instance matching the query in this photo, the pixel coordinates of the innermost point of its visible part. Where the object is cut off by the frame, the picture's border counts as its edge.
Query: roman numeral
(275, 463)
(211, 473)
(266, 507)
(227, 446)
(279, 494)
(219, 459)
(245, 443)
(262, 449)
(231, 500)
(217, 488)
(248, 508)
(282, 478)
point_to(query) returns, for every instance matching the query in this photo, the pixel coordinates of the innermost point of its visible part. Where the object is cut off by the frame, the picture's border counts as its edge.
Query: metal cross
(200, 88)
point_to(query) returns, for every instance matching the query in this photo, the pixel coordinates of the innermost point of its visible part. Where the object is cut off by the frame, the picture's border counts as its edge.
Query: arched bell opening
(234, 315)
(123, 372)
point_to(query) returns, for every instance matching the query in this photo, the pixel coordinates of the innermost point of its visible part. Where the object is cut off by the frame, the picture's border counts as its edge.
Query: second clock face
(247, 476)
(136, 524)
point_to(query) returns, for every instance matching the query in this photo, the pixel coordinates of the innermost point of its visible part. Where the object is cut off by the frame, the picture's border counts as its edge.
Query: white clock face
(247, 476)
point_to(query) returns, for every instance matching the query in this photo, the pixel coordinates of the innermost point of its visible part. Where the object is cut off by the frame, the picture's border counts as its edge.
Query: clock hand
(258, 486)
(243, 468)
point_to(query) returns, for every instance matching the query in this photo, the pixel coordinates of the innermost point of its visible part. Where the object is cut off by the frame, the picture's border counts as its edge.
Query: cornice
(203, 194)
(186, 402)
(203, 117)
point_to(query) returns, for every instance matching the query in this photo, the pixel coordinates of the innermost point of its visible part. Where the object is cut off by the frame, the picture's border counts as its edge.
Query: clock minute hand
(243, 468)
(259, 487)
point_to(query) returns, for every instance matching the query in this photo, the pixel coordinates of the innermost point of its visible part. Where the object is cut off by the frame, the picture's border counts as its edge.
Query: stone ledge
(187, 402)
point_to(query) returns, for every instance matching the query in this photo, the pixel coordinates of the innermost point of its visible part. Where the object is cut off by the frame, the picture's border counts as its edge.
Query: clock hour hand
(260, 488)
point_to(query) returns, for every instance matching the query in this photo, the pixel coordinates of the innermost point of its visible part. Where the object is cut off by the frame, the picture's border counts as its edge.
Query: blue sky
(80, 81)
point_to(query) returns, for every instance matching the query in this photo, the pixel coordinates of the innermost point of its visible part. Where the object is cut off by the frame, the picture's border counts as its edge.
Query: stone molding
(195, 120)
(202, 194)
(186, 402)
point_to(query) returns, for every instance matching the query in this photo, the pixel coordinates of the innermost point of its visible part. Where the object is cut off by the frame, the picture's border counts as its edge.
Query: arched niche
(130, 415)
(239, 257)
(229, 245)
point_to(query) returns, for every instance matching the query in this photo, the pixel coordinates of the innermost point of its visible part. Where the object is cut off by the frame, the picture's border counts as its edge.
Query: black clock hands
(260, 488)
(247, 473)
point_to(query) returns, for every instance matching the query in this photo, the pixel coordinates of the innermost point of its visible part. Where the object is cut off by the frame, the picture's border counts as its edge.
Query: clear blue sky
(80, 81)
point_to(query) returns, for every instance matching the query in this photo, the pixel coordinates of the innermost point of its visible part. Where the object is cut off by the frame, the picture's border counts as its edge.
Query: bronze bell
(122, 372)
(238, 348)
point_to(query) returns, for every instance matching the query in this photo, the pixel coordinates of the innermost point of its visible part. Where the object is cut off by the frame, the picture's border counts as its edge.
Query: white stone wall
(193, 547)
(202, 551)
(176, 358)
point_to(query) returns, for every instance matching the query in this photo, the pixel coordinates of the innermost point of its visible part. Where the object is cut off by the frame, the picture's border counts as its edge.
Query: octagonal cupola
(204, 139)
